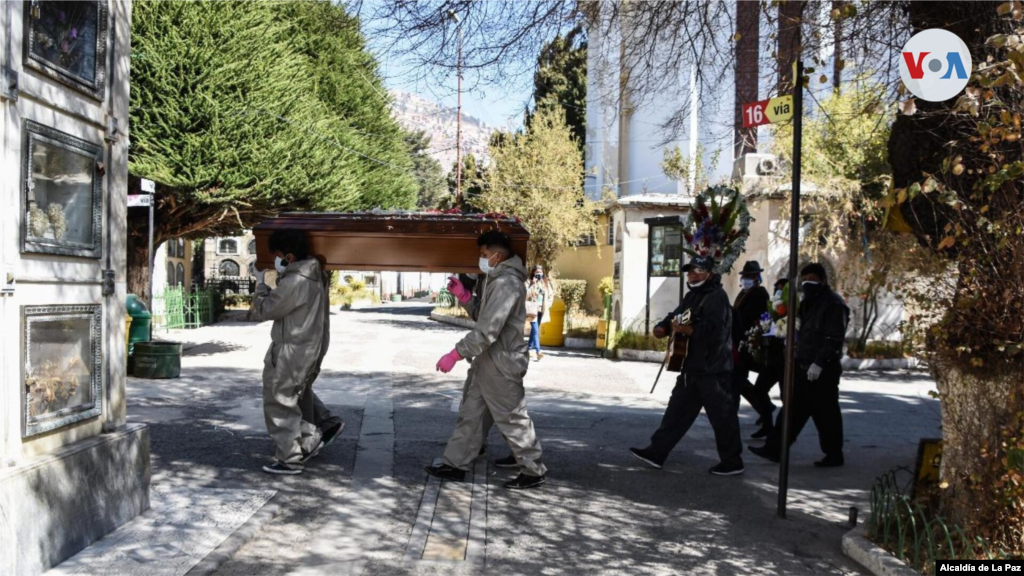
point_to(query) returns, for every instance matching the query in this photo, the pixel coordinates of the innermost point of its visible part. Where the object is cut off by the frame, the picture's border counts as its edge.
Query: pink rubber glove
(458, 290)
(448, 361)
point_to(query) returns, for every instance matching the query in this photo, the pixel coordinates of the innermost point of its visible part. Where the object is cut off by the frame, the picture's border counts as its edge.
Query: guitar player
(706, 377)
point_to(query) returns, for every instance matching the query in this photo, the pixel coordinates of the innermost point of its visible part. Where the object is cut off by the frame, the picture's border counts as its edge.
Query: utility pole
(794, 282)
(458, 117)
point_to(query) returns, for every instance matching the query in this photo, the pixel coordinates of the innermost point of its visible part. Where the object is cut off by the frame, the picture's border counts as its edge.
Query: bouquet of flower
(753, 341)
(718, 225)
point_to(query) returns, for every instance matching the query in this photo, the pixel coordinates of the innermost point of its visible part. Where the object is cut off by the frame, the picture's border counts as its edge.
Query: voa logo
(935, 65)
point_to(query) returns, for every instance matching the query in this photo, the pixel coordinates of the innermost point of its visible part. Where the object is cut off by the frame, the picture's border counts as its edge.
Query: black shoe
(762, 432)
(331, 434)
(506, 462)
(283, 468)
(723, 469)
(525, 482)
(830, 462)
(313, 454)
(765, 452)
(446, 472)
(645, 455)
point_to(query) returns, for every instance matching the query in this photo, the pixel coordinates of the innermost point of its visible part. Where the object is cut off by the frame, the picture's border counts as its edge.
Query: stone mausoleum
(71, 468)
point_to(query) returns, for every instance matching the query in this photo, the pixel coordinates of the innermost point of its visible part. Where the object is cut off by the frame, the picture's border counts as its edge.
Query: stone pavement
(365, 506)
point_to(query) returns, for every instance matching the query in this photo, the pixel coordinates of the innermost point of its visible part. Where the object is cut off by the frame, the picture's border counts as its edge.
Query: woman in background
(539, 295)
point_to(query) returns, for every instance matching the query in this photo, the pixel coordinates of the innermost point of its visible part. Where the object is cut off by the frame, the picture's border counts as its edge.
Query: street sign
(139, 200)
(780, 109)
(753, 114)
(771, 111)
(148, 185)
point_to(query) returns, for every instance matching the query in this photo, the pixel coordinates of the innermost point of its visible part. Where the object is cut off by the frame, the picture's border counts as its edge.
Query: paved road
(367, 507)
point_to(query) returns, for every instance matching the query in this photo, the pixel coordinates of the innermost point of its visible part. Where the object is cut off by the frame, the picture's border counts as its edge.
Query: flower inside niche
(64, 34)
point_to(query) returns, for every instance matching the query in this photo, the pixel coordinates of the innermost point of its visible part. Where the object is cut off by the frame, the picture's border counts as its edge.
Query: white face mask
(778, 294)
(697, 284)
(746, 283)
(280, 265)
(485, 265)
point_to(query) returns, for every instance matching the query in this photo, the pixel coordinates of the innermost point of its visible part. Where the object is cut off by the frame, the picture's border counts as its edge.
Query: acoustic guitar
(677, 347)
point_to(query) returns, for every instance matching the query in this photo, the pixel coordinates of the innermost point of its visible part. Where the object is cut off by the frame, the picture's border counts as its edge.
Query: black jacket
(746, 312)
(710, 347)
(824, 317)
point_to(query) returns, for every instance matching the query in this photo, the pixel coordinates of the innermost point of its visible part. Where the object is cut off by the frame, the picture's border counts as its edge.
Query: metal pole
(149, 292)
(650, 247)
(458, 120)
(791, 312)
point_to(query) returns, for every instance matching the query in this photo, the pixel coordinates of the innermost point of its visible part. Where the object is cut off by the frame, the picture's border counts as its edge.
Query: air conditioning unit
(755, 165)
(768, 166)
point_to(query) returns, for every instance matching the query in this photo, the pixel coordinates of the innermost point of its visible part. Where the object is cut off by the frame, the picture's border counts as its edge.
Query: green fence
(187, 309)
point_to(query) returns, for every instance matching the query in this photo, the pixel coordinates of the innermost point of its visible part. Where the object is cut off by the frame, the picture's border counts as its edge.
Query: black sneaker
(525, 482)
(506, 462)
(645, 455)
(830, 462)
(765, 452)
(314, 453)
(331, 434)
(723, 469)
(446, 472)
(283, 468)
(762, 432)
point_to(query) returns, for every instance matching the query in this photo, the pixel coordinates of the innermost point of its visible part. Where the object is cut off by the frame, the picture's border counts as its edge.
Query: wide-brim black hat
(751, 267)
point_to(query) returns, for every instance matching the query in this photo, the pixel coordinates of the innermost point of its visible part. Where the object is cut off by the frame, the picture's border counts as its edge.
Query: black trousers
(772, 372)
(712, 393)
(818, 401)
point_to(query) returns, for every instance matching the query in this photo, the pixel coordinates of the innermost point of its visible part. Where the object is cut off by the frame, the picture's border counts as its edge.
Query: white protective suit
(297, 308)
(499, 360)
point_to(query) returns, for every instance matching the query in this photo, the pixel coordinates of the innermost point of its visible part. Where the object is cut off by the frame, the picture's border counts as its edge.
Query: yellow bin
(127, 333)
(606, 334)
(552, 331)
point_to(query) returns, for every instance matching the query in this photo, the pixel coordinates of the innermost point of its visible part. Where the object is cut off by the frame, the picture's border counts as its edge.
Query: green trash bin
(157, 360)
(140, 326)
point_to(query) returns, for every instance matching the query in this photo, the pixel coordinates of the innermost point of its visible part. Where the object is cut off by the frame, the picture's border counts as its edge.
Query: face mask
(746, 283)
(280, 265)
(778, 294)
(808, 287)
(485, 265)
(538, 277)
(696, 284)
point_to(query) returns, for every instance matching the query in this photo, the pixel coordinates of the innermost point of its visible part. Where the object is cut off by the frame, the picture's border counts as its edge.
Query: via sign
(772, 111)
(140, 200)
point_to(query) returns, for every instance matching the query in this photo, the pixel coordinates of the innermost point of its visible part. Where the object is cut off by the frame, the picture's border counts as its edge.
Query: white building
(73, 469)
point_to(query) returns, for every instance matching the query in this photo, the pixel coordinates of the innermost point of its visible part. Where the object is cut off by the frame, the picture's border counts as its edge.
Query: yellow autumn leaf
(946, 242)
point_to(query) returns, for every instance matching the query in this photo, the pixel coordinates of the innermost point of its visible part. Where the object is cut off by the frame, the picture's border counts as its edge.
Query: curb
(855, 364)
(227, 549)
(640, 355)
(452, 320)
(581, 343)
(874, 558)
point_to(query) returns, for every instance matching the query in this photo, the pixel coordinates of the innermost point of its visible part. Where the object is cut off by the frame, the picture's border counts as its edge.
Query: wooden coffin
(405, 242)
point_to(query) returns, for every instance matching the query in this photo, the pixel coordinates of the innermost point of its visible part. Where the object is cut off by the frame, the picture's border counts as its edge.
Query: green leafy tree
(682, 167)
(537, 177)
(561, 81)
(473, 177)
(433, 186)
(241, 110)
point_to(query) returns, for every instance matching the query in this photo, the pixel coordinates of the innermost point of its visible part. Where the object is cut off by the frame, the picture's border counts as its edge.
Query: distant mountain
(439, 122)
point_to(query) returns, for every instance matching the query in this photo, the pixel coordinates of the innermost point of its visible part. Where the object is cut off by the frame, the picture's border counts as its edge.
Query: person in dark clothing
(705, 381)
(774, 365)
(819, 349)
(750, 304)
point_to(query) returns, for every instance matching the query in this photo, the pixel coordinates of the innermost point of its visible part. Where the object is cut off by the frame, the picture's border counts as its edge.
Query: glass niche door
(62, 193)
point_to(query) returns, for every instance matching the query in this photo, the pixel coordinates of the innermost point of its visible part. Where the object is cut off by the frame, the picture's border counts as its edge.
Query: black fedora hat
(751, 268)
